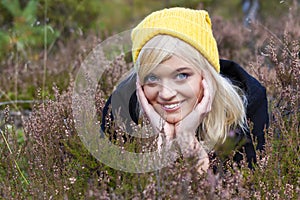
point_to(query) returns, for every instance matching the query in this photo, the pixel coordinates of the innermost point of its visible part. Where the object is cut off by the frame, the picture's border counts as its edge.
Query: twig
(20, 102)
(10, 151)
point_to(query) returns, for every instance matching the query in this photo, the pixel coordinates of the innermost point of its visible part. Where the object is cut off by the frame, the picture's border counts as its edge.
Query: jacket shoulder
(254, 90)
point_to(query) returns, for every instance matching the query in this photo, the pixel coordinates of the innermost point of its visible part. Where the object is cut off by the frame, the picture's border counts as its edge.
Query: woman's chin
(173, 120)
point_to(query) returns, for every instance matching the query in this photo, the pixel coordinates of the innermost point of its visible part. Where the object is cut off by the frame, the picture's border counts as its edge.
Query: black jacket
(124, 102)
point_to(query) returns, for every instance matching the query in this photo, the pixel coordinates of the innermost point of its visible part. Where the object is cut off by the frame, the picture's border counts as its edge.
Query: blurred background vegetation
(36, 35)
(43, 43)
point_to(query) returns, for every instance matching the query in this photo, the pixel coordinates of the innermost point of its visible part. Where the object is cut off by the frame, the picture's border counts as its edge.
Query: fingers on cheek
(208, 94)
(208, 105)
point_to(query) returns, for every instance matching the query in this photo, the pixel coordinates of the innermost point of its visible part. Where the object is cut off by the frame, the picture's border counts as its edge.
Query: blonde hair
(228, 107)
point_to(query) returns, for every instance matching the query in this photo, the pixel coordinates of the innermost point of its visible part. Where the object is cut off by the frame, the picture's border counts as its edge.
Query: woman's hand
(186, 129)
(191, 122)
(158, 123)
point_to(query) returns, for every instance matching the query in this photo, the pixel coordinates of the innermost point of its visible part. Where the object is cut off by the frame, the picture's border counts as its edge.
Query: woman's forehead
(174, 63)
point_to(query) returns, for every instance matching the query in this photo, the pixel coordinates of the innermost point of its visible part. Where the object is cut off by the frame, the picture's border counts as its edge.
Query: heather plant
(46, 159)
(282, 154)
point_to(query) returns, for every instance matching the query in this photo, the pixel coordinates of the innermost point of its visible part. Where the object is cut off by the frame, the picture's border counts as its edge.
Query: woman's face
(173, 88)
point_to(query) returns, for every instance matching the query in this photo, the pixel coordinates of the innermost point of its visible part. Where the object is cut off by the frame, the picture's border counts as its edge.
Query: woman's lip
(171, 107)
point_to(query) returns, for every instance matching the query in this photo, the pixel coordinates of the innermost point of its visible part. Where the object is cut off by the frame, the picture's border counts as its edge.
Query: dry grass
(56, 165)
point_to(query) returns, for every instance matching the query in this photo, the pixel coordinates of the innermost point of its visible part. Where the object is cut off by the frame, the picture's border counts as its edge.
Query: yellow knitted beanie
(191, 26)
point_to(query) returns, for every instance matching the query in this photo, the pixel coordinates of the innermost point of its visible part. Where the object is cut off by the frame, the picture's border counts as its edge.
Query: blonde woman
(187, 93)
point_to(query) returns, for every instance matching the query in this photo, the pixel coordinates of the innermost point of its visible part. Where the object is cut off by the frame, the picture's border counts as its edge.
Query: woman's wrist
(191, 147)
(188, 143)
(202, 157)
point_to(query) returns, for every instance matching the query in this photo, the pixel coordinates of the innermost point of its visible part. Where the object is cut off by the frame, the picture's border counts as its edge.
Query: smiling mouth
(171, 107)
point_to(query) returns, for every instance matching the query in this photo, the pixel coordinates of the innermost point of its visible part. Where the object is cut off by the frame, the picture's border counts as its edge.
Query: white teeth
(171, 106)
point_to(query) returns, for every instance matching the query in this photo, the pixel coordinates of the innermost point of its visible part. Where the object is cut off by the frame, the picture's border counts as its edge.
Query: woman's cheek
(149, 93)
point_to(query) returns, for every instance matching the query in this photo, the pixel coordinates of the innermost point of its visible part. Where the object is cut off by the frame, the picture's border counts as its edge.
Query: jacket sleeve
(106, 119)
(121, 107)
(259, 121)
(256, 110)
(258, 116)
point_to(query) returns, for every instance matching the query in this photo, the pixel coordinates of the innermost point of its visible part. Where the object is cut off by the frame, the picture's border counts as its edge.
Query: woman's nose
(167, 92)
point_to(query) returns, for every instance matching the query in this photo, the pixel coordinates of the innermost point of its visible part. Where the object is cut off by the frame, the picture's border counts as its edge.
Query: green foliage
(4, 40)
(25, 32)
(45, 158)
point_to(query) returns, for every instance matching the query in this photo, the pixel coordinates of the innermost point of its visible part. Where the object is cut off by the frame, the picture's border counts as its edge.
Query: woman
(186, 92)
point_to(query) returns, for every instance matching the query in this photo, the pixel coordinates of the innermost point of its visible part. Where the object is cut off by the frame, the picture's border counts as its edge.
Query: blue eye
(151, 79)
(182, 76)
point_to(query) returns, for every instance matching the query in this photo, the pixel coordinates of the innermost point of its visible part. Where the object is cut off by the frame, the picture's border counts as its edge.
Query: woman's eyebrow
(183, 69)
(151, 74)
